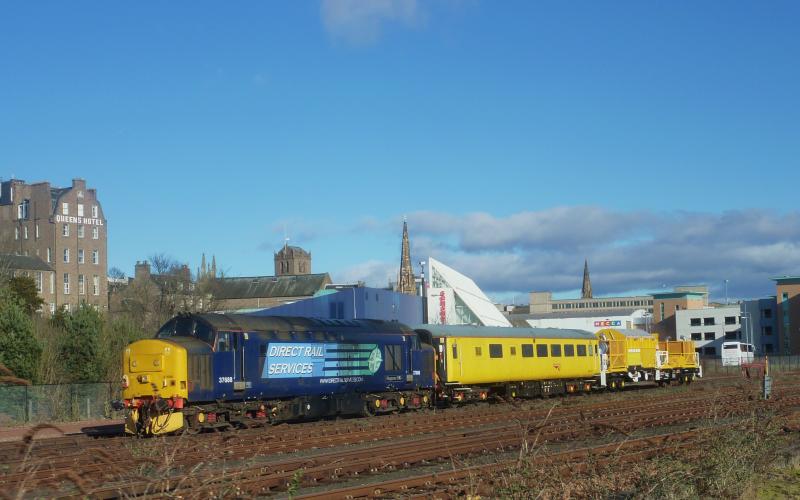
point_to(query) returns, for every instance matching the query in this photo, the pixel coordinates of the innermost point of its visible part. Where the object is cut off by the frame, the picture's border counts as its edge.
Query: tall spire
(586, 291)
(203, 267)
(405, 284)
(213, 266)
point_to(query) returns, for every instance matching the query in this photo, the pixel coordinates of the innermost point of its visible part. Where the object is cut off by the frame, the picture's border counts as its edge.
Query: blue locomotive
(222, 370)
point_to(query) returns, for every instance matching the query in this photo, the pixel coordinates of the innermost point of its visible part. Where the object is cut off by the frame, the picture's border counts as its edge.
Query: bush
(80, 350)
(19, 350)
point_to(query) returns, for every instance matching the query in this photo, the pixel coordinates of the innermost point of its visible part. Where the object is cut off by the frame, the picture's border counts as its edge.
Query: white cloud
(638, 250)
(360, 22)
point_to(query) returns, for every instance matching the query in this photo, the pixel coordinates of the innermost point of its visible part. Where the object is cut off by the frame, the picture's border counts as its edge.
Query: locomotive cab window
(527, 350)
(223, 342)
(541, 350)
(495, 350)
(581, 350)
(393, 360)
(555, 350)
(569, 350)
(455, 352)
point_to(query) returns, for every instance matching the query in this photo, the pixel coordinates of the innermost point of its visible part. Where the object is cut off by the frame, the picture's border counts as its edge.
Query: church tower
(292, 260)
(586, 291)
(405, 284)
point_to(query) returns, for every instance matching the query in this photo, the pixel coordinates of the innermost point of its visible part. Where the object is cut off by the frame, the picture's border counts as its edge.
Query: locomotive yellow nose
(155, 368)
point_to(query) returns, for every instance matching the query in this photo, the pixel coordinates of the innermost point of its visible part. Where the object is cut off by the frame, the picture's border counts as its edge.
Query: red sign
(442, 308)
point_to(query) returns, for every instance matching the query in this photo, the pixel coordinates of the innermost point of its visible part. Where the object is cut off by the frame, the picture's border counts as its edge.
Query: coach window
(555, 350)
(513, 350)
(527, 350)
(569, 350)
(393, 358)
(495, 350)
(478, 351)
(541, 350)
(581, 350)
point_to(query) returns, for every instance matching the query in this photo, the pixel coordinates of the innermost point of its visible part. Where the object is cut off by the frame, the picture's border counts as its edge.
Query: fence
(56, 402)
(713, 366)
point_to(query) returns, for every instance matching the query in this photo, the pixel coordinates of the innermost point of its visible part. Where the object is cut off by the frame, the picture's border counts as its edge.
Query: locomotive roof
(249, 323)
(504, 332)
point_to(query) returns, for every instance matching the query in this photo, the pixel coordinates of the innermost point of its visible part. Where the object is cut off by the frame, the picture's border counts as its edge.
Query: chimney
(142, 271)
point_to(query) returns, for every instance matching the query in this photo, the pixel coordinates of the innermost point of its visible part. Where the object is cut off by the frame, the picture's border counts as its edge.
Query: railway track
(259, 461)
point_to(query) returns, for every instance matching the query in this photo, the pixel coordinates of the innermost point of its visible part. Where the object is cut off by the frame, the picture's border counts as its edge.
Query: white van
(736, 353)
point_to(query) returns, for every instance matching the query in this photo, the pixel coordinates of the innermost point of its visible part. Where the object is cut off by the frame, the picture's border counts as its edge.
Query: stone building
(33, 267)
(406, 283)
(64, 227)
(292, 261)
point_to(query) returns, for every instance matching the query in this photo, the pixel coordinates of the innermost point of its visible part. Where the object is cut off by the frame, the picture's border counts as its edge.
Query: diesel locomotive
(215, 371)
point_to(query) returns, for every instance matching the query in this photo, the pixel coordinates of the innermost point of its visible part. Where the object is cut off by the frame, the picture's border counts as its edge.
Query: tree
(19, 350)
(80, 349)
(24, 287)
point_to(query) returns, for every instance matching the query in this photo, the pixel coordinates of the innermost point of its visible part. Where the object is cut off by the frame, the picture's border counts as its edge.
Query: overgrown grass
(733, 464)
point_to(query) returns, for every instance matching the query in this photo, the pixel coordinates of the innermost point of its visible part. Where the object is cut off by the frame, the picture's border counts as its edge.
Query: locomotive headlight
(167, 350)
(156, 362)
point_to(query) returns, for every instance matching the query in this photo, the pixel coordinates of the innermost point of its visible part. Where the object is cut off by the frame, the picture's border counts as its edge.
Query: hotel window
(22, 210)
(694, 322)
(730, 320)
(52, 307)
(16, 233)
(65, 230)
(95, 233)
(39, 282)
(95, 285)
(66, 255)
(95, 257)
(25, 232)
(52, 282)
(36, 230)
(709, 336)
(697, 336)
(66, 307)
(49, 257)
(94, 211)
(80, 210)
(66, 284)
(81, 285)
(80, 230)
(65, 208)
(80, 256)
(708, 321)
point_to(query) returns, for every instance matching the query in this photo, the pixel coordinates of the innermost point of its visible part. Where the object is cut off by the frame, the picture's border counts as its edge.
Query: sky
(658, 140)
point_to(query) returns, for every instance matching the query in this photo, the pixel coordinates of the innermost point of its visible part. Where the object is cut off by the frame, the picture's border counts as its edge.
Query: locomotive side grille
(200, 371)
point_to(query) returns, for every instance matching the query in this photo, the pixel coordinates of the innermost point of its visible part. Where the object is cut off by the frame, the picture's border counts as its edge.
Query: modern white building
(590, 321)
(454, 299)
(709, 327)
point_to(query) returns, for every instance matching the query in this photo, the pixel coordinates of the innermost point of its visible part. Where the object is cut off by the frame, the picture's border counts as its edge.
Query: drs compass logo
(300, 360)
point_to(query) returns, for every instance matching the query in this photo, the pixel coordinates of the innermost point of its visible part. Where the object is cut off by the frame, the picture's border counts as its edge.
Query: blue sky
(660, 140)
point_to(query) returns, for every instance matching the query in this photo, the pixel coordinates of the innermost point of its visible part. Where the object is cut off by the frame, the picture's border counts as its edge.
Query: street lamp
(726, 292)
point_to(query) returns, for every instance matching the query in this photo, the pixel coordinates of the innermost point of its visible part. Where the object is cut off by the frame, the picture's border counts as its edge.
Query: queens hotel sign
(79, 220)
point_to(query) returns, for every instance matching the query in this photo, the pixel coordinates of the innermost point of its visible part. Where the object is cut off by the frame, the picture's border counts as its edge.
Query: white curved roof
(442, 276)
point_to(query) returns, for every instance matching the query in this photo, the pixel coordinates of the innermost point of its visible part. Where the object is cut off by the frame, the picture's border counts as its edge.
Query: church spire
(405, 284)
(213, 266)
(586, 291)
